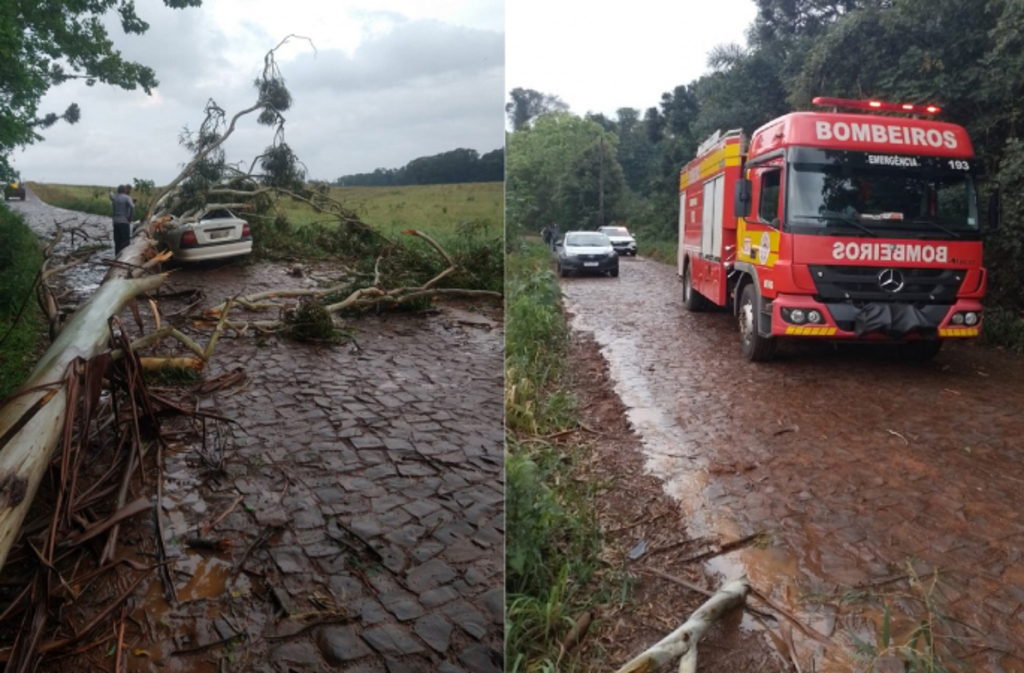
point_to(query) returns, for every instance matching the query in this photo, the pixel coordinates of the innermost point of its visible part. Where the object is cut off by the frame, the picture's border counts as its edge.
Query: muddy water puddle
(859, 469)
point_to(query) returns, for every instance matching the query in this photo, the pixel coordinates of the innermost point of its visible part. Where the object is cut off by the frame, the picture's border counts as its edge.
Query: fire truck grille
(866, 284)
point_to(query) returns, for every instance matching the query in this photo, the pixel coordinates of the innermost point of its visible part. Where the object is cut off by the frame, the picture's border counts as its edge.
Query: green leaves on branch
(45, 44)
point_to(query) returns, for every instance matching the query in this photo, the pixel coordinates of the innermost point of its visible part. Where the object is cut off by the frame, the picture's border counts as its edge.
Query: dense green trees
(456, 166)
(526, 105)
(555, 173)
(43, 44)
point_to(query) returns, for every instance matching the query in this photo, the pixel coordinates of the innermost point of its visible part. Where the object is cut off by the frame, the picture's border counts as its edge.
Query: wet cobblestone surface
(854, 462)
(375, 468)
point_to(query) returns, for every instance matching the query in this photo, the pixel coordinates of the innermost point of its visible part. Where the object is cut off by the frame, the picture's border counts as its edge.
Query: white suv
(621, 239)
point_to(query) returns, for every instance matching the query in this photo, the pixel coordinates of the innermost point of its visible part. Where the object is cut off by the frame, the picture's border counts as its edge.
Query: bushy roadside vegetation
(553, 541)
(20, 260)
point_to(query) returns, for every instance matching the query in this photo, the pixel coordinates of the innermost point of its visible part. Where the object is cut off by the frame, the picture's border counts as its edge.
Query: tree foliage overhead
(46, 43)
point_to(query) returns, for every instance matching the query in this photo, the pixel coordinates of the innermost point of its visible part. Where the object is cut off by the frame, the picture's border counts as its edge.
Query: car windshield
(588, 239)
(914, 194)
(615, 231)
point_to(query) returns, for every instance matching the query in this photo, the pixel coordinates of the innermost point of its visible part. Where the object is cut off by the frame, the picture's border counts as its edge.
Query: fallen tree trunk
(683, 641)
(32, 420)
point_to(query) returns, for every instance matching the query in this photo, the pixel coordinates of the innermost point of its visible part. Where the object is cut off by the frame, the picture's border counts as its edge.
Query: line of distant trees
(456, 166)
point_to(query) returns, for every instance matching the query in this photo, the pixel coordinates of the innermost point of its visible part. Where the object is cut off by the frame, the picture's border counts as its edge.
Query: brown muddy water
(859, 468)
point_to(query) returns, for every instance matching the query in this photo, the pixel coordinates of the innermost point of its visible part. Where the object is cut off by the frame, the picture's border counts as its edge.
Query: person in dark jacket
(124, 210)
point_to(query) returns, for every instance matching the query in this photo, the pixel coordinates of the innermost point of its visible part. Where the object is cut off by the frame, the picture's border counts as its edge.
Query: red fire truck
(839, 226)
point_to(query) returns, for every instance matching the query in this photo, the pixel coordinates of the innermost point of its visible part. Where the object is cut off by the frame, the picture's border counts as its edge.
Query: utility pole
(600, 188)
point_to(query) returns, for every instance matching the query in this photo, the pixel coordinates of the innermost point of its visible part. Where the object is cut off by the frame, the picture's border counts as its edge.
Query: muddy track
(368, 532)
(856, 464)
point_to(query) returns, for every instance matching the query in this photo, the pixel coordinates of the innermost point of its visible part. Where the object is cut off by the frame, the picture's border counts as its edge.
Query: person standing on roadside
(124, 209)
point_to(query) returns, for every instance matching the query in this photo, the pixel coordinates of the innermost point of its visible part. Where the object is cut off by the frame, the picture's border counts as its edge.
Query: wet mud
(366, 481)
(861, 470)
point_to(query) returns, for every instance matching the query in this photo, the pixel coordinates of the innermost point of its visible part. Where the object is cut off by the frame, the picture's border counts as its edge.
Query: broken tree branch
(683, 641)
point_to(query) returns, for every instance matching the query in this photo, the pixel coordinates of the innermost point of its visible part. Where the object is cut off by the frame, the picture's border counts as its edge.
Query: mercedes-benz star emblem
(890, 280)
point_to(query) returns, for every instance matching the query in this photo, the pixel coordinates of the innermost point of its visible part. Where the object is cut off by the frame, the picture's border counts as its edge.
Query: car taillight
(189, 238)
(245, 230)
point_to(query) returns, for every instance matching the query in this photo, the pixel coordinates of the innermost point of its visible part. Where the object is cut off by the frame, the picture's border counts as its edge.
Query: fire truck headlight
(958, 319)
(971, 318)
(814, 316)
(797, 315)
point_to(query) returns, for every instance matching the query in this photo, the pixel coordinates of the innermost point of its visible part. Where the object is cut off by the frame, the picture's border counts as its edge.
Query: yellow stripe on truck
(959, 332)
(810, 331)
(714, 162)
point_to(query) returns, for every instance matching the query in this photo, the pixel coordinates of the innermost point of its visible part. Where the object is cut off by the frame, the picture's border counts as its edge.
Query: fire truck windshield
(860, 193)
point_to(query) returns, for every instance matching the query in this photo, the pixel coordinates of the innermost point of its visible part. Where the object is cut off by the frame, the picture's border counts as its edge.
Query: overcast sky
(390, 81)
(599, 57)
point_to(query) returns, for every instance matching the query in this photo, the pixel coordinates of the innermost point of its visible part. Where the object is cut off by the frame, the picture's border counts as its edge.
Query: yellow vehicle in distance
(14, 189)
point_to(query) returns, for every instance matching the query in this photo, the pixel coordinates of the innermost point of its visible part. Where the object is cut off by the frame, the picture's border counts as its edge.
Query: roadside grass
(1004, 328)
(554, 544)
(465, 219)
(661, 251)
(20, 340)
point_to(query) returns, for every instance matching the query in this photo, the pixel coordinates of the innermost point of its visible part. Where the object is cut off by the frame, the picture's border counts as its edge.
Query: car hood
(621, 239)
(587, 249)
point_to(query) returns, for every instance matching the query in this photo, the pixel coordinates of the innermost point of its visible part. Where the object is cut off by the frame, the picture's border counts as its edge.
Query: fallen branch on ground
(683, 641)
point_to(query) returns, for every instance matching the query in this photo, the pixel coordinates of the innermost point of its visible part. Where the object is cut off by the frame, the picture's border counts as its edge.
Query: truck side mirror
(743, 197)
(995, 210)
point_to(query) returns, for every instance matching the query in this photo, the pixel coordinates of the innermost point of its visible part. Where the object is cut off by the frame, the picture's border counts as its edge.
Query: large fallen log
(32, 421)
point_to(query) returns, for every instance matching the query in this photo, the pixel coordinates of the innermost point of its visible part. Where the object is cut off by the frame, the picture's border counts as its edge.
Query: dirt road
(854, 463)
(368, 536)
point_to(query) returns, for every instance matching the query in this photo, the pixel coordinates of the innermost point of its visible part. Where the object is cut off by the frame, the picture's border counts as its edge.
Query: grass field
(430, 208)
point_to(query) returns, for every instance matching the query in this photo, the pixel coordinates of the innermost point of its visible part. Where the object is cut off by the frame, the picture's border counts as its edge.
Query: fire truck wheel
(919, 351)
(693, 301)
(756, 348)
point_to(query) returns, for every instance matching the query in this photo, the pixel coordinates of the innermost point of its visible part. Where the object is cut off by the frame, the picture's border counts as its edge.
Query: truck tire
(693, 301)
(919, 351)
(756, 348)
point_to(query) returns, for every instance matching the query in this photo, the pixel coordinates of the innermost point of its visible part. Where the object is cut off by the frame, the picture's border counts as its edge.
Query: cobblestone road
(377, 470)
